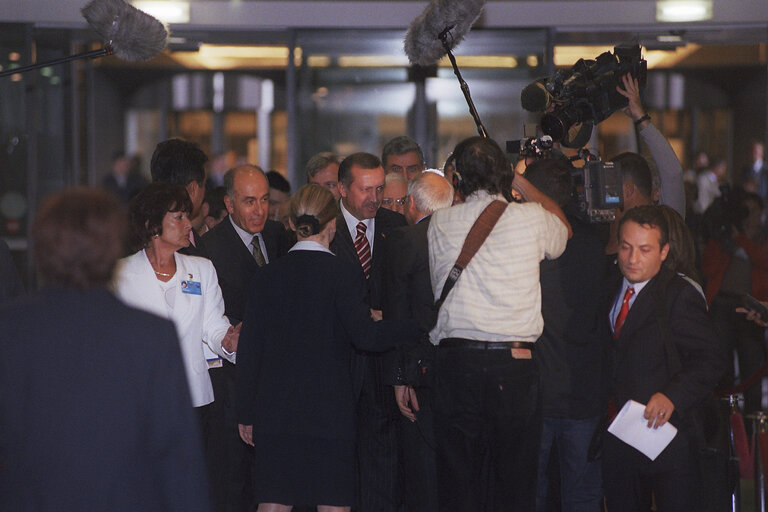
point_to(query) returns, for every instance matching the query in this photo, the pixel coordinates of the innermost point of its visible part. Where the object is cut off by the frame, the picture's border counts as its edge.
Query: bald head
(247, 198)
(427, 193)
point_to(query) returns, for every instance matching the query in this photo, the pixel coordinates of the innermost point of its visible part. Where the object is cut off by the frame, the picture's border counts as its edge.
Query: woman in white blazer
(181, 288)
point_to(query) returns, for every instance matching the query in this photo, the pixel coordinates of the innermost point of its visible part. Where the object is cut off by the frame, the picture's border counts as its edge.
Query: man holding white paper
(665, 354)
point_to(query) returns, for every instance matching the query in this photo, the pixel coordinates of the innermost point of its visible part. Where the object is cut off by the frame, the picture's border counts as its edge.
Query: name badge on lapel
(191, 287)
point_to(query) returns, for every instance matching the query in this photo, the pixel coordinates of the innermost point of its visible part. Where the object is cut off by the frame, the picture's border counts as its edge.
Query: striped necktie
(257, 254)
(363, 249)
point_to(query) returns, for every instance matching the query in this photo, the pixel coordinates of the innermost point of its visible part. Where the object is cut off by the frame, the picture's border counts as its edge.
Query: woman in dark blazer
(295, 399)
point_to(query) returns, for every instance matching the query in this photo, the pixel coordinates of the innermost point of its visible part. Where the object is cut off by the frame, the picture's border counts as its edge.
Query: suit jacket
(193, 249)
(294, 353)
(344, 247)
(639, 361)
(10, 281)
(760, 176)
(408, 285)
(198, 318)
(94, 408)
(408, 290)
(234, 263)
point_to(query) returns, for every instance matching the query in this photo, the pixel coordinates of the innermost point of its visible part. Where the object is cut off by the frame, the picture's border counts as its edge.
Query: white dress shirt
(247, 238)
(352, 221)
(498, 296)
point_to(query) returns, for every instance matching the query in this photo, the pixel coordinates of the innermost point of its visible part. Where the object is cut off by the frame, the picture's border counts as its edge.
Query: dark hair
(319, 162)
(178, 162)
(552, 176)
(482, 166)
(148, 209)
(363, 160)
(312, 207)
(399, 146)
(682, 250)
(215, 199)
(648, 215)
(78, 236)
(278, 182)
(635, 169)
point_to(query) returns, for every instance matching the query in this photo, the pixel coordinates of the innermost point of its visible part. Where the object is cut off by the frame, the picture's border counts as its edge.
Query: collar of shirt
(246, 237)
(309, 245)
(483, 195)
(620, 297)
(351, 220)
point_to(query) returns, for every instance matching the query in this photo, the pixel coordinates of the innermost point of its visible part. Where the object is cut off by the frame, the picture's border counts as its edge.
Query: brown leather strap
(480, 231)
(475, 239)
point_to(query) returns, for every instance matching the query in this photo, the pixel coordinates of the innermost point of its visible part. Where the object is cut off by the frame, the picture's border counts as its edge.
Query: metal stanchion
(760, 434)
(733, 458)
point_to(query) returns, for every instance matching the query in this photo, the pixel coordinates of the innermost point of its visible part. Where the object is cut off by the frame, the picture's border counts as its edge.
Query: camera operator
(568, 352)
(638, 181)
(486, 392)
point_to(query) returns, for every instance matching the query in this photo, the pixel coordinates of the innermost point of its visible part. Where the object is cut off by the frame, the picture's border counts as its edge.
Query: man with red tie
(360, 231)
(664, 354)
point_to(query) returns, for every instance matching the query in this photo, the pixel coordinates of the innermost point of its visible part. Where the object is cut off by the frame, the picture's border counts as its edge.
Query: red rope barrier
(751, 381)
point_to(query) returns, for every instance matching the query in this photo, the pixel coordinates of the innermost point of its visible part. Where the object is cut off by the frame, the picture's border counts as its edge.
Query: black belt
(485, 345)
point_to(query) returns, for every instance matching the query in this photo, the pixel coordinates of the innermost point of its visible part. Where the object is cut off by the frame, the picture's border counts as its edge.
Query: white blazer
(198, 318)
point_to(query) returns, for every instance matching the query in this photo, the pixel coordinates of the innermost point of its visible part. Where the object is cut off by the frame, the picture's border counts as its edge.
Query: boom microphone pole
(436, 32)
(464, 87)
(128, 33)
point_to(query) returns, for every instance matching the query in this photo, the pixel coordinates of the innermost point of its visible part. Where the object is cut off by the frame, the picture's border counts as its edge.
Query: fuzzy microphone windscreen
(132, 34)
(422, 42)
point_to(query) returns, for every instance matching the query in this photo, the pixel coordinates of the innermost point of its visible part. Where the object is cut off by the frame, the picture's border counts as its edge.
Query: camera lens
(552, 125)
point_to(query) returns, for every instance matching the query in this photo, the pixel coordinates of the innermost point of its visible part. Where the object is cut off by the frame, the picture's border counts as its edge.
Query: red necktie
(363, 249)
(623, 312)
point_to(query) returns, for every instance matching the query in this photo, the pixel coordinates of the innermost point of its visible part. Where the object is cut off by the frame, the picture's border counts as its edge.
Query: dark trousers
(487, 429)
(629, 477)
(231, 459)
(379, 487)
(581, 483)
(417, 456)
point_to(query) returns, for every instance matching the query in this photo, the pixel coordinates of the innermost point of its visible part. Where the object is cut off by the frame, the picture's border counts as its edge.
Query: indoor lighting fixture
(167, 11)
(683, 10)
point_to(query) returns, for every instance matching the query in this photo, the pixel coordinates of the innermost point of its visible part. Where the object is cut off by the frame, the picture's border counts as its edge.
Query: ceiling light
(683, 10)
(167, 11)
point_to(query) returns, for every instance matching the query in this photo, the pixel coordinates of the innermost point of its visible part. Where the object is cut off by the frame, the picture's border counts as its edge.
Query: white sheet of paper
(630, 426)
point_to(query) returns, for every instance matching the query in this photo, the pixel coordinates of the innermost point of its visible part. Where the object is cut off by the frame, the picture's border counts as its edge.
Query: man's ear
(343, 190)
(664, 251)
(193, 188)
(229, 204)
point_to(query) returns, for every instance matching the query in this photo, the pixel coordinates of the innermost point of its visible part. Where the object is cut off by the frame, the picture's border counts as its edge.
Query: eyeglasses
(389, 201)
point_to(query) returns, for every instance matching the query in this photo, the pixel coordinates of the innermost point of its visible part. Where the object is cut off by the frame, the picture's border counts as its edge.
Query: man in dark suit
(238, 246)
(94, 404)
(665, 354)
(754, 177)
(361, 229)
(409, 295)
(182, 163)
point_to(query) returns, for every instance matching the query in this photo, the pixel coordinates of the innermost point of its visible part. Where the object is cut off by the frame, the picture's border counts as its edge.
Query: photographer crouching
(487, 385)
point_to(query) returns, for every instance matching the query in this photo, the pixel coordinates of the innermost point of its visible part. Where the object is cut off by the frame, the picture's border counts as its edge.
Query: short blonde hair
(315, 202)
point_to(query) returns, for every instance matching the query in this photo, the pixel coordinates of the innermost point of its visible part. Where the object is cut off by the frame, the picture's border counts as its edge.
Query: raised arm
(532, 195)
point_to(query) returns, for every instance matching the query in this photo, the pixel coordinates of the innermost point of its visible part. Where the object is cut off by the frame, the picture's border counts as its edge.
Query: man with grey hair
(323, 169)
(409, 295)
(395, 193)
(403, 155)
